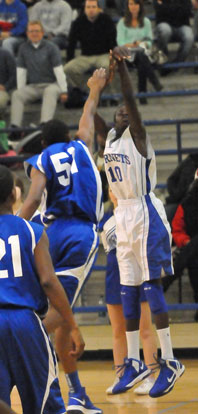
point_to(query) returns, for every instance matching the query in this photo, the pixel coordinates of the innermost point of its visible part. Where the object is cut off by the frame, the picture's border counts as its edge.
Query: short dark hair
(6, 183)
(55, 131)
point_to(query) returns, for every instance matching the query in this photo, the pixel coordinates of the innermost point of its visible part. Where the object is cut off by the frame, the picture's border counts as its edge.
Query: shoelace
(156, 365)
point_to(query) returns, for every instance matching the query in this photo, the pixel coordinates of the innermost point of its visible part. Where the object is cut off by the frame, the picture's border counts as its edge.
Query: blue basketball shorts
(73, 246)
(28, 361)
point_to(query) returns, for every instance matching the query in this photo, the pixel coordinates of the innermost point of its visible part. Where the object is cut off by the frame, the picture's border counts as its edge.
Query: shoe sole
(170, 388)
(144, 375)
(81, 410)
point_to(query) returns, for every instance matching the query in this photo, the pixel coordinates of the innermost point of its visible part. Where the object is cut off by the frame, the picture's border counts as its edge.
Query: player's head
(7, 193)
(121, 119)
(54, 131)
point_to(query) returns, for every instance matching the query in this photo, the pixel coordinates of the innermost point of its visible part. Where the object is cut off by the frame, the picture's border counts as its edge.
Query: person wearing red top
(185, 236)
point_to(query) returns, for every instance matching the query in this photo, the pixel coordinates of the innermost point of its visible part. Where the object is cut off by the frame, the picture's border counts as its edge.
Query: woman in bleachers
(134, 31)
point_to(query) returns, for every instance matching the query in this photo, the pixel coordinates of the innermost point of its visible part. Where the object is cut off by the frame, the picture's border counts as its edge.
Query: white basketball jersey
(130, 175)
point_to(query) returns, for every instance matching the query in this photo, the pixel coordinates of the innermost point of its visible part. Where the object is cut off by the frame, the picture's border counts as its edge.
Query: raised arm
(86, 125)
(33, 199)
(136, 127)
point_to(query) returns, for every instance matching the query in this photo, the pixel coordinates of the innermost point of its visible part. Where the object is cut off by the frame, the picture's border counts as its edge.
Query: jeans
(183, 34)
(12, 44)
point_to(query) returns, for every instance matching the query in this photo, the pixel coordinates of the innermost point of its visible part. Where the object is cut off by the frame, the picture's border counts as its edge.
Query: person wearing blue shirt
(13, 22)
(66, 180)
(27, 279)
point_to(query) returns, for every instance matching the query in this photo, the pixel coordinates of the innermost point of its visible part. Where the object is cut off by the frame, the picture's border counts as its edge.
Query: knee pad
(155, 297)
(130, 302)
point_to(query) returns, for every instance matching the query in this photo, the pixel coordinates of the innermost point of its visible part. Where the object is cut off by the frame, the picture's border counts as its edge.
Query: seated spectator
(179, 181)
(7, 77)
(56, 19)
(13, 22)
(96, 34)
(121, 6)
(173, 23)
(134, 31)
(39, 76)
(195, 6)
(185, 236)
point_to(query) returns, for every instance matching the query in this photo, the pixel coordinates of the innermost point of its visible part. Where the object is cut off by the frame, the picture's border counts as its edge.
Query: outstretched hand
(120, 53)
(98, 79)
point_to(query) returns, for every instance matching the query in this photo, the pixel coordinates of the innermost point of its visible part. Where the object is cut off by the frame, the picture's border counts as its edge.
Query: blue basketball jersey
(73, 182)
(19, 282)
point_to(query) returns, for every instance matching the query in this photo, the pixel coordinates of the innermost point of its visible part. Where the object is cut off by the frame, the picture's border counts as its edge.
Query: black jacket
(95, 38)
(175, 12)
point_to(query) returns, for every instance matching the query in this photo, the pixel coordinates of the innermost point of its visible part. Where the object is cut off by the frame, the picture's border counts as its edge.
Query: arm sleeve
(121, 39)
(65, 20)
(21, 77)
(180, 236)
(61, 78)
(72, 40)
(22, 20)
(148, 32)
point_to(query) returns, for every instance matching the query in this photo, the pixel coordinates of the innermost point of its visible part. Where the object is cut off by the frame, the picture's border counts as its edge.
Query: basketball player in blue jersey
(65, 175)
(143, 234)
(27, 279)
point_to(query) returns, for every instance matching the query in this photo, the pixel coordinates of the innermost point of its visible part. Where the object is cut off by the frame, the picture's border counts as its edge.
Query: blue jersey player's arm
(33, 199)
(96, 83)
(55, 292)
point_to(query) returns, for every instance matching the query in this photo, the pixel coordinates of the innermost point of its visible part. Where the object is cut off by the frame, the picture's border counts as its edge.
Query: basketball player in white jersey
(143, 234)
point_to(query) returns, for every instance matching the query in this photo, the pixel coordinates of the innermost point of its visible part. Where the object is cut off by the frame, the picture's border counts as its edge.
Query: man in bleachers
(96, 33)
(13, 22)
(56, 19)
(173, 23)
(7, 77)
(39, 76)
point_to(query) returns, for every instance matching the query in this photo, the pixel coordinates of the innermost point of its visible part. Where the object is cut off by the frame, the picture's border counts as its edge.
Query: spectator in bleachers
(195, 6)
(180, 179)
(134, 31)
(96, 33)
(39, 76)
(173, 23)
(56, 19)
(7, 77)
(121, 6)
(185, 236)
(13, 22)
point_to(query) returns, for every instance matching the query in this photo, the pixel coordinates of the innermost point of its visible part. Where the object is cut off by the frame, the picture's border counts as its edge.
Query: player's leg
(33, 364)
(73, 255)
(158, 257)
(149, 343)
(117, 320)
(116, 316)
(131, 279)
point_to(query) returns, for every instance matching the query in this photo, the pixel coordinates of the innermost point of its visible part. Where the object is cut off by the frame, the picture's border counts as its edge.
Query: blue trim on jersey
(19, 282)
(73, 186)
(148, 183)
(158, 243)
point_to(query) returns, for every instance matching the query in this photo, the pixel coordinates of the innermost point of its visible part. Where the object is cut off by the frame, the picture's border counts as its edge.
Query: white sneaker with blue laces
(170, 371)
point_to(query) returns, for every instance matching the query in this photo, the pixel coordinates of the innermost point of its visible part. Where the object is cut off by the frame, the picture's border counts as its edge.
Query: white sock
(165, 343)
(133, 344)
